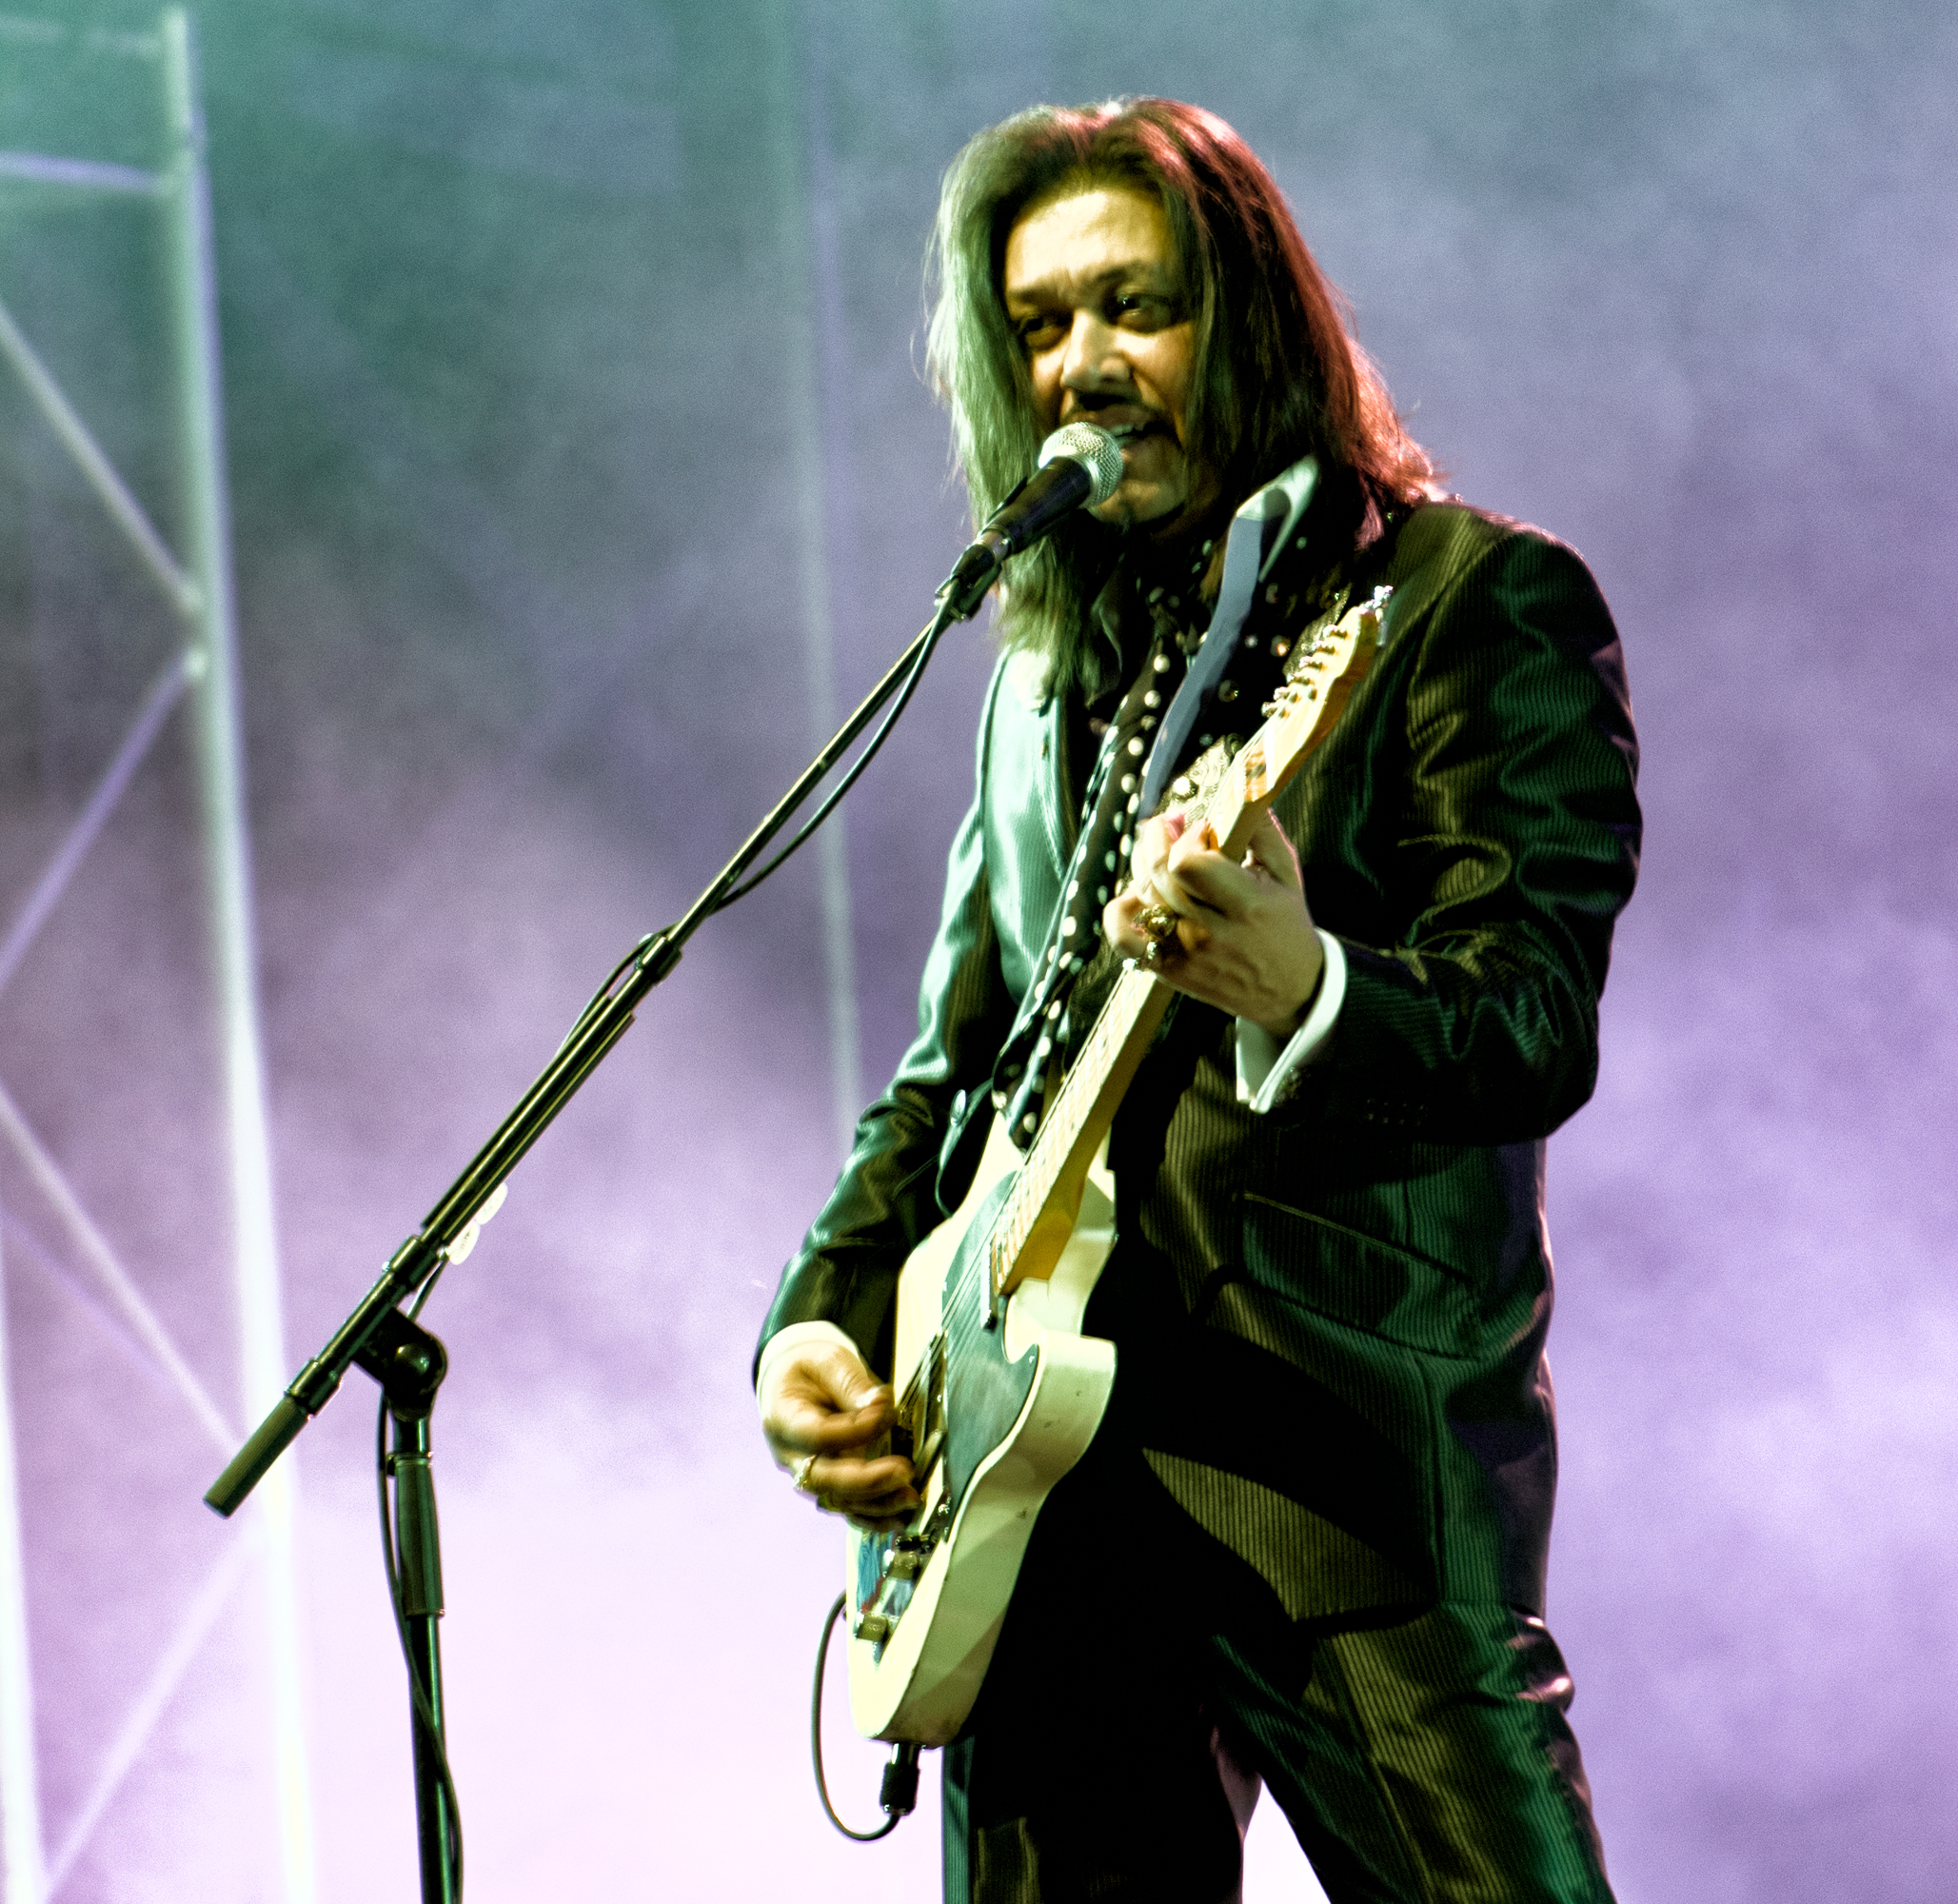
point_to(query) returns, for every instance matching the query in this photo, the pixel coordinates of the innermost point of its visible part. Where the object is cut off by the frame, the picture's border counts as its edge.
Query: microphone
(1080, 465)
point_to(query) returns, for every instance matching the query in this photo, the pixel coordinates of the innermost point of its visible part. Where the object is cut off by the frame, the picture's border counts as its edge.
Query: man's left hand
(1243, 940)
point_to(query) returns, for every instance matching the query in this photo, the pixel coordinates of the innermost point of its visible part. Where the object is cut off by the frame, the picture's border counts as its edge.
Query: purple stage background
(517, 302)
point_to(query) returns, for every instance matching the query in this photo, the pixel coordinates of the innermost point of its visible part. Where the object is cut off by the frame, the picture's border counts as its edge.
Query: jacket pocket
(1358, 1280)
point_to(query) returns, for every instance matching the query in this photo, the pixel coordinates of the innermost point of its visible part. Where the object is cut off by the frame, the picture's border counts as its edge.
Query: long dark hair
(1277, 376)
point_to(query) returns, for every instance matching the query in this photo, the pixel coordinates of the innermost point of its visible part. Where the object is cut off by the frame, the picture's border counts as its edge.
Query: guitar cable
(899, 1795)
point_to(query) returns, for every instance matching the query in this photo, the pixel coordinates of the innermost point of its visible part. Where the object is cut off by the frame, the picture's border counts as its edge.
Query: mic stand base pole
(420, 1615)
(409, 1364)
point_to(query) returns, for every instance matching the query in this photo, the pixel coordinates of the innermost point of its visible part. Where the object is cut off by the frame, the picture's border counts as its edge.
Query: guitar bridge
(888, 1565)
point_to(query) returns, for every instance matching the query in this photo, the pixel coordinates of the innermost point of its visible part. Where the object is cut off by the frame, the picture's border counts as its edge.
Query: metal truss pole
(810, 304)
(220, 746)
(199, 590)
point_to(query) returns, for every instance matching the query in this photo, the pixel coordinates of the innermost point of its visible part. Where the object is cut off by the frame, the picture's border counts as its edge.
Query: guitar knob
(872, 1627)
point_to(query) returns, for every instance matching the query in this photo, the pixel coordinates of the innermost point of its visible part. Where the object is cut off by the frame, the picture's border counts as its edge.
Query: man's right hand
(820, 1410)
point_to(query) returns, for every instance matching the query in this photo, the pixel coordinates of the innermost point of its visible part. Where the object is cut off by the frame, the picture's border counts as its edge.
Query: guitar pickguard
(984, 1393)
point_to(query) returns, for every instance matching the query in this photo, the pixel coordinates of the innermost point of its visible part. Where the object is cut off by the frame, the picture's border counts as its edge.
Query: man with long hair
(1306, 1545)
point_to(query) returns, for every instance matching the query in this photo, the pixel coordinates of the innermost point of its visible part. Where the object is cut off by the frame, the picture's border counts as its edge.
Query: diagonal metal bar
(102, 1258)
(128, 513)
(18, 1240)
(83, 174)
(151, 1703)
(163, 695)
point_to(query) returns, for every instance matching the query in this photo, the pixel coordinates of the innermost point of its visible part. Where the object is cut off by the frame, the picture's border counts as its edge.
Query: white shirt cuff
(786, 1341)
(1267, 1071)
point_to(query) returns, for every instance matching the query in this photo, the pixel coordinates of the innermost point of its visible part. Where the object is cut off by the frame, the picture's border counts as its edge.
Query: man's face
(1092, 292)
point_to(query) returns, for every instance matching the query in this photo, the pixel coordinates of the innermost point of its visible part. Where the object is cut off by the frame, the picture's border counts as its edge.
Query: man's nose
(1091, 364)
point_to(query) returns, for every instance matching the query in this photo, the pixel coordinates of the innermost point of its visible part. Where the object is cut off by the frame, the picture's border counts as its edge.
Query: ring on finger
(800, 1473)
(1157, 925)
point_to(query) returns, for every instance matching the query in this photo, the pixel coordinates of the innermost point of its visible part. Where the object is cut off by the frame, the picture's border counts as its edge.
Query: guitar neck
(1032, 1226)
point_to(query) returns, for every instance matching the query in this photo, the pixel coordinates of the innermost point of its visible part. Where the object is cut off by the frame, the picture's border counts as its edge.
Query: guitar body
(1021, 1398)
(999, 1393)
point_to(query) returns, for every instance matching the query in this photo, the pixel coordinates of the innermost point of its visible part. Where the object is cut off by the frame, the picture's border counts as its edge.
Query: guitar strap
(1093, 874)
(1249, 553)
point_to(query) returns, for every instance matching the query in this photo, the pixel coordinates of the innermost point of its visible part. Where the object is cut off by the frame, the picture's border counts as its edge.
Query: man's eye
(1037, 333)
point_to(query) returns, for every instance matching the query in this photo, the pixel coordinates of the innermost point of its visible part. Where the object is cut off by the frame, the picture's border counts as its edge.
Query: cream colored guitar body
(917, 1677)
(999, 1393)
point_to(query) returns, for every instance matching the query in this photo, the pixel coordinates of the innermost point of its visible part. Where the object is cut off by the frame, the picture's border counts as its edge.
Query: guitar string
(1021, 1209)
(1131, 991)
(1066, 1116)
(1134, 988)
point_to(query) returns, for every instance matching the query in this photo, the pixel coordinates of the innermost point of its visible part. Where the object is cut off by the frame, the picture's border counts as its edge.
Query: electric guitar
(999, 1393)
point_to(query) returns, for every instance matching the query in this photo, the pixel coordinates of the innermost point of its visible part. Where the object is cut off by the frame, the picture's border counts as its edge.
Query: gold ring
(1157, 923)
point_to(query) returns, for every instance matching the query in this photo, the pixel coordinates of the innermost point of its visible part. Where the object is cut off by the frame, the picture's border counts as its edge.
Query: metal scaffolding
(202, 676)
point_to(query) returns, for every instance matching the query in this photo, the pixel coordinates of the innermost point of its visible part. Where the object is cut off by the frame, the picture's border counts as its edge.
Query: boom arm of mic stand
(601, 1027)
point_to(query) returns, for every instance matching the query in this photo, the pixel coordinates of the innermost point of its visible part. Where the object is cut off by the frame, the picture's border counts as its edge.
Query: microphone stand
(409, 1362)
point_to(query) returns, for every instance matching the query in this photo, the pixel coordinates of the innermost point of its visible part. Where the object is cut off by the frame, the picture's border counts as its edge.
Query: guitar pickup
(920, 1432)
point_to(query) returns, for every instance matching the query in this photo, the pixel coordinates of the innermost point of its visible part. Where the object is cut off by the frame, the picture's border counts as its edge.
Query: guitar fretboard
(1080, 1112)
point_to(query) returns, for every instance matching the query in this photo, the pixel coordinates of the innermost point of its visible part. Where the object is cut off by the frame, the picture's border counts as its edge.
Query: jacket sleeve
(887, 1199)
(1516, 846)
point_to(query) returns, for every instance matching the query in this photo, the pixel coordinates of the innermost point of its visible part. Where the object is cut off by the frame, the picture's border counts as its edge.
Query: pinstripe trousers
(1146, 1681)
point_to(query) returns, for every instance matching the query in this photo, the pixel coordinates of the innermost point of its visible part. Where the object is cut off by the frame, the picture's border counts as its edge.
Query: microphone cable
(940, 622)
(1098, 457)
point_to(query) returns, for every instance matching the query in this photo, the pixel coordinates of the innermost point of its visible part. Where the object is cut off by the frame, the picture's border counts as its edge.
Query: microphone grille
(1094, 449)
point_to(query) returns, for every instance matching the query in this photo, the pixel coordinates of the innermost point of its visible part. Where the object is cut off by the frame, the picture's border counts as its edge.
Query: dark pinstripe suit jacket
(1348, 1296)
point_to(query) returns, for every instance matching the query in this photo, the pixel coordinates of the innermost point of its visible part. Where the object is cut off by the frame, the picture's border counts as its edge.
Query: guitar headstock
(1359, 624)
(1319, 676)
